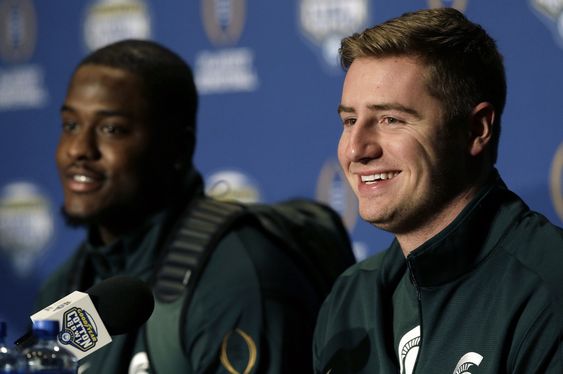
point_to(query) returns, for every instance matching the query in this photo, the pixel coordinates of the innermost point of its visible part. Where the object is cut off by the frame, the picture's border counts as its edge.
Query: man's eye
(69, 126)
(391, 121)
(348, 121)
(113, 129)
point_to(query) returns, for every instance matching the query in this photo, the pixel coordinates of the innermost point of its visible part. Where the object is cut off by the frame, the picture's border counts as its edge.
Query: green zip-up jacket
(253, 309)
(486, 292)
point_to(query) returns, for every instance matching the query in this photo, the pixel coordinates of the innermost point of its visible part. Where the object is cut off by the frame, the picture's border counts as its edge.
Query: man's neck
(413, 239)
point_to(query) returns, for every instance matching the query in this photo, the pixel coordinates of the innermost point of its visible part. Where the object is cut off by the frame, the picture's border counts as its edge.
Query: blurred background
(269, 81)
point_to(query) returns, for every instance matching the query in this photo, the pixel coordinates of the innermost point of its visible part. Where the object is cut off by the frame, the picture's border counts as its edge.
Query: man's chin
(116, 216)
(74, 220)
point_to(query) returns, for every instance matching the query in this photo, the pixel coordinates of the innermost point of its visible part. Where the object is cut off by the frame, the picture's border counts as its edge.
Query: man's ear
(482, 120)
(182, 149)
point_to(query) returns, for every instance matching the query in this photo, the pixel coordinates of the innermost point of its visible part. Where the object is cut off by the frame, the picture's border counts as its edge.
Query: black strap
(199, 230)
(186, 253)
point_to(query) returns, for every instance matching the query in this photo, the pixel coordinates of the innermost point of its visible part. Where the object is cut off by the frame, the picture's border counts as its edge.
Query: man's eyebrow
(347, 109)
(394, 106)
(380, 107)
(66, 108)
(101, 113)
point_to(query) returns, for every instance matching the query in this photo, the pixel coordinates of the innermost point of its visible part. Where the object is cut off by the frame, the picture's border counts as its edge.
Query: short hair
(465, 66)
(167, 83)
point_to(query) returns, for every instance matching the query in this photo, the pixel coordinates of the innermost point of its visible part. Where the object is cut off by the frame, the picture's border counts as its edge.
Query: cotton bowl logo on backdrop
(26, 224)
(108, 21)
(457, 4)
(79, 329)
(21, 85)
(551, 12)
(227, 69)
(326, 22)
(232, 185)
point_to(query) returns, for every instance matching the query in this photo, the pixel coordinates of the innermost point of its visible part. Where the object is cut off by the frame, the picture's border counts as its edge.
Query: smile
(82, 178)
(373, 178)
(84, 182)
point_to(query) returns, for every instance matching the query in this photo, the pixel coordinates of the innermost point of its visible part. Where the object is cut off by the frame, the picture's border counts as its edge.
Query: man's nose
(364, 143)
(83, 145)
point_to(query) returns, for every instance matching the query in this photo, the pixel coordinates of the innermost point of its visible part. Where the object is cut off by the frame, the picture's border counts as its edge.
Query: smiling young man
(109, 155)
(125, 164)
(472, 281)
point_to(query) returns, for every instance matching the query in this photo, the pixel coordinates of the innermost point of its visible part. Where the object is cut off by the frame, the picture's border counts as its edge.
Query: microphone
(114, 306)
(124, 303)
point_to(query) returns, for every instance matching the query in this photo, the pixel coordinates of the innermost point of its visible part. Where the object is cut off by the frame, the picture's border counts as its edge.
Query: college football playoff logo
(19, 29)
(223, 20)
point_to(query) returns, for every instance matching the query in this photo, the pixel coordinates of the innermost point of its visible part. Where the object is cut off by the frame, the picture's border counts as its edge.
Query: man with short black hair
(125, 163)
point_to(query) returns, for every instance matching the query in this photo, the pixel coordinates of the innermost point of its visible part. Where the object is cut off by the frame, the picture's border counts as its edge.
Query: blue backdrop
(268, 126)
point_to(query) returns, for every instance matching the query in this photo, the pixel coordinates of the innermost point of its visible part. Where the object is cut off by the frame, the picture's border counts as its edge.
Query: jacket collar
(468, 240)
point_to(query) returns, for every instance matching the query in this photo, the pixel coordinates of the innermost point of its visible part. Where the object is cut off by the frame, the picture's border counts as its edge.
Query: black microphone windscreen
(124, 303)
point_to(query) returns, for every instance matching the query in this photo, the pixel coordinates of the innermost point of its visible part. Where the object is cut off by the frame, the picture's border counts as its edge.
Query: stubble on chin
(76, 221)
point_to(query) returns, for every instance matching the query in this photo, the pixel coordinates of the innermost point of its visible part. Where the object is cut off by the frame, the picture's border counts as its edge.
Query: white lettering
(228, 70)
(321, 18)
(22, 87)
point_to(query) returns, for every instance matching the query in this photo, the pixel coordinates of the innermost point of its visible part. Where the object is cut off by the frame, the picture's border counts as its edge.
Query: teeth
(376, 177)
(82, 179)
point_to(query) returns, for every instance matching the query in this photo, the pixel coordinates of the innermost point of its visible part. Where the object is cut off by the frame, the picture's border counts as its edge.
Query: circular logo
(223, 20)
(65, 337)
(323, 19)
(457, 4)
(19, 30)
(333, 189)
(108, 21)
(556, 181)
(326, 22)
(232, 185)
(26, 223)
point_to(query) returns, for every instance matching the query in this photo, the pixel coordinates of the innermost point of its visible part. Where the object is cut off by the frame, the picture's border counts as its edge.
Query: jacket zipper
(413, 279)
(419, 299)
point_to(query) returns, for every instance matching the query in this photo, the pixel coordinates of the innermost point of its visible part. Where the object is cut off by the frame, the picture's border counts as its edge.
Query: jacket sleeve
(253, 310)
(541, 351)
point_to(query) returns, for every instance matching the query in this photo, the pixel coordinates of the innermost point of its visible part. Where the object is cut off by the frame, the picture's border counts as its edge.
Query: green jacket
(252, 308)
(483, 296)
